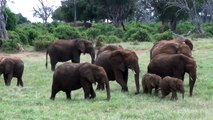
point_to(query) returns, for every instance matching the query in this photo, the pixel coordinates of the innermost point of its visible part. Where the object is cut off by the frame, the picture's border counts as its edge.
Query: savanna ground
(32, 101)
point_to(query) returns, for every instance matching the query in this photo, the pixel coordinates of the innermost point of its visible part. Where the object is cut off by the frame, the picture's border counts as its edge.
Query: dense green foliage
(40, 36)
(11, 20)
(32, 101)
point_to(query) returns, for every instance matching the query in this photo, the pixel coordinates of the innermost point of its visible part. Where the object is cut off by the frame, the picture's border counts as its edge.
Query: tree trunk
(3, 31)
(74, 1)
(173, 24)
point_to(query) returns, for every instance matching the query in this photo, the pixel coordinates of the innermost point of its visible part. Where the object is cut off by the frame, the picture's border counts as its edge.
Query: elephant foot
(124, 89)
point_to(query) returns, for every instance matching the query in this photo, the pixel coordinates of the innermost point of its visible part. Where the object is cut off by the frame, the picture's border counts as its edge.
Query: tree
(208, 8)
(11, 19)
(21, 19)
(3, 20)
(191, 7)
(166, 13)
(117, 10)
(143, 11)
(43, 11)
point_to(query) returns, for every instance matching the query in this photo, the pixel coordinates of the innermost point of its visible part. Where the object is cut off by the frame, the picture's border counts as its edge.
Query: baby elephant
(150, 81)
(73, 76)
(11, 67)
(171, 84)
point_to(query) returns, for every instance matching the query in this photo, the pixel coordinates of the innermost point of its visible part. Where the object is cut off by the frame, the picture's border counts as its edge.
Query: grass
(32, 101)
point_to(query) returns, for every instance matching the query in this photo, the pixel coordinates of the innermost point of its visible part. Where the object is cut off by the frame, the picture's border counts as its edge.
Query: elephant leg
(86, 88)
(100, 86)
(68, 94)
(174, 95)
(92, 92)
(145, 89)
(20, 82)
(120, 80)
(164, 94)
(156, 91)
(7, 79)
(125, 74)
(53, 63)
(149, 90)
(55, 90)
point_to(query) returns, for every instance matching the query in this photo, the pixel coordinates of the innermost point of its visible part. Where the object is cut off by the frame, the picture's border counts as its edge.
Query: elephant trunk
(92, 54)
(107, 88)
(192, 80)
(137, 84)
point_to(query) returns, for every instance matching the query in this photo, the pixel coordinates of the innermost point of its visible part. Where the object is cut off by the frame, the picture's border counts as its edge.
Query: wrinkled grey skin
(64, 50)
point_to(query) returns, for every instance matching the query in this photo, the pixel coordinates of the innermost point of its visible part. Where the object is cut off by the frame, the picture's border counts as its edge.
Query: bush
(32, 35)
(184, 27)
(136, 34)
(92, 33)
(13, 36)
(100, 40)
(66, 32)
(167, 35)
(42, 42)
(113, 39)
(9, 45)
(208, 28)
(23, 36)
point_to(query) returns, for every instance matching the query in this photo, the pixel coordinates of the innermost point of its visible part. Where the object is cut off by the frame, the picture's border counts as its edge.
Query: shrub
(208, 28)
(23, 36)
(66, 32)
(167, 35)
(42, 42)
(32, 35)
(92, 33)
(136, 34)
(13, 36)
(9, 45)
(184, 27)
(100, 41)
(113, 39)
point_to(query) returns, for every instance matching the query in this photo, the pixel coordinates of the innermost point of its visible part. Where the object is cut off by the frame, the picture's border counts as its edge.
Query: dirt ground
(39, 54)
(24, 54)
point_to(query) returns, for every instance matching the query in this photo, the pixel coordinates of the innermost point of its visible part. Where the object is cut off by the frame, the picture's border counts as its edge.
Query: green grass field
(32, 101)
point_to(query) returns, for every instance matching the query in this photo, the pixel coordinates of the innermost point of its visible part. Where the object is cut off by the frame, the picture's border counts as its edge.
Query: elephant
(172, 47)
(150, 81)
(109, 47)
(174, 65)
(116, 64)
(11, 67)
(64, 50)
(72, 76)
(170, 84)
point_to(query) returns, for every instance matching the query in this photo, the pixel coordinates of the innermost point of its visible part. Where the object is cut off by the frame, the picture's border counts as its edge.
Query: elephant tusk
(191, 78)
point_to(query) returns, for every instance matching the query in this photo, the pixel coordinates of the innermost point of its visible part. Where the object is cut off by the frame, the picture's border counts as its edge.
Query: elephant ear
(80, 45)
(189, 43)
(116, 59)
(87, 73)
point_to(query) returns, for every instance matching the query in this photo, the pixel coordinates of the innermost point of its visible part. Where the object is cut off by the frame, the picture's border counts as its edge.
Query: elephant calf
(150, 81)
(11, 67)
(73, 76)
(171, 84)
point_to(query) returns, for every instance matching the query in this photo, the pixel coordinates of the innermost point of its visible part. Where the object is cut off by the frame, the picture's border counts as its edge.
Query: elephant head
(123, 59)
(93, 74)
(86, 47)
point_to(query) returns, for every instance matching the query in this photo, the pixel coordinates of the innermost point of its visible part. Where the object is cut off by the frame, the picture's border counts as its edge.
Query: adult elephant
(116, 64)
(109, 47)
(172, 47)
(72, 76)
(175, 65)
(64, 50)
(12, 67)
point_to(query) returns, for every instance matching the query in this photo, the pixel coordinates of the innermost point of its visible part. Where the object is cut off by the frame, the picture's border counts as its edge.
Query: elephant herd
(169, 61)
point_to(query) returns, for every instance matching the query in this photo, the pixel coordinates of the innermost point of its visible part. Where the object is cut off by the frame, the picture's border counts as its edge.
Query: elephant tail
(46, 58)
